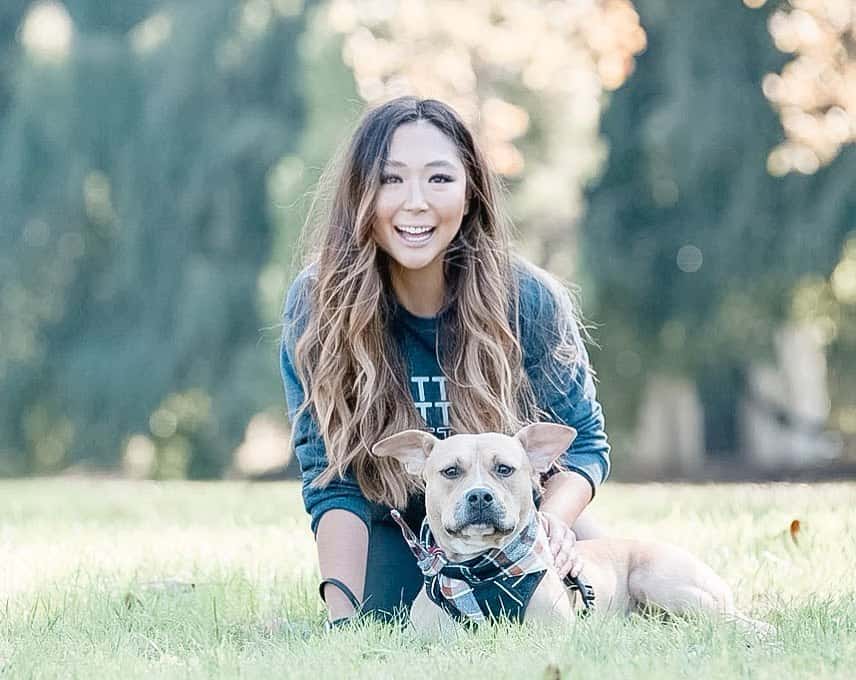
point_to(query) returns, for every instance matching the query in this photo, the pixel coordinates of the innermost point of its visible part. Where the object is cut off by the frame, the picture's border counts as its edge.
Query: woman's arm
(566, 392)
(342, 541)
(566, 495)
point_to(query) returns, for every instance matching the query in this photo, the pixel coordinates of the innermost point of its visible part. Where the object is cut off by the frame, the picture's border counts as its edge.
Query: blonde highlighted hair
(352, 371)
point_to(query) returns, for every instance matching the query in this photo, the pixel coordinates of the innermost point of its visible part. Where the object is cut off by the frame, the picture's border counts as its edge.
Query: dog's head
(478, 488)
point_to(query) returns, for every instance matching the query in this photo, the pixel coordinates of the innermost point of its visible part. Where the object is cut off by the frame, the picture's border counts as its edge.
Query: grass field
(124, 579)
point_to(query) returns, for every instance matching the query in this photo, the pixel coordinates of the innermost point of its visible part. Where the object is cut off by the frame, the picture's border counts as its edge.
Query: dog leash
(430, 560)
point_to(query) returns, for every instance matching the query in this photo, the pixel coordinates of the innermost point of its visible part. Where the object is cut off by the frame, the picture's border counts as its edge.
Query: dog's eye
(451, 472)
(504, 470)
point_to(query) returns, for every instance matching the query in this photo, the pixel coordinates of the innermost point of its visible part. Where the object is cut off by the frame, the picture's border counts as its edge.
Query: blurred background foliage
(688, 165)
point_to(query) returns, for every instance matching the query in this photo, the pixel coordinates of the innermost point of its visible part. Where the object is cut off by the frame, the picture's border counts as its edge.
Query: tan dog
(478, 496)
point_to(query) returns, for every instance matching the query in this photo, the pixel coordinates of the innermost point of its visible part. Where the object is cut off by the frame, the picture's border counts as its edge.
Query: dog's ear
(545, 442)
(411, 448)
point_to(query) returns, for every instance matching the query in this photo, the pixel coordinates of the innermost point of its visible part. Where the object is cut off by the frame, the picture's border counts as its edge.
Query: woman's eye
(504, 470)
(451, 472)
(437, 179)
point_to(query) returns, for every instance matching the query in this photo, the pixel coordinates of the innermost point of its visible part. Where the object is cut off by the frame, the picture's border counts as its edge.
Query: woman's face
(422, 197)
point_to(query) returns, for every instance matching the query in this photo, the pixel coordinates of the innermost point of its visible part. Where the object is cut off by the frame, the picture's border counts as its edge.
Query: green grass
(124, 579)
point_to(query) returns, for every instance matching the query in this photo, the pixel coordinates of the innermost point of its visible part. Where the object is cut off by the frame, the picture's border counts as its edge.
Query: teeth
(414, 230)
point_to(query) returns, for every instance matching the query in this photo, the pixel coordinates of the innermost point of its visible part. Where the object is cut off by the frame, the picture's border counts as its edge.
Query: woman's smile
(415, 236)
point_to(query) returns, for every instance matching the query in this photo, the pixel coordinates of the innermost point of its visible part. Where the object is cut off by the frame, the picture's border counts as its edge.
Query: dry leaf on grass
(795, 530)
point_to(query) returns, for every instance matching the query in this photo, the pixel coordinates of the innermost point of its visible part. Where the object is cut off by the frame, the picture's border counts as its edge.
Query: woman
(414, 313)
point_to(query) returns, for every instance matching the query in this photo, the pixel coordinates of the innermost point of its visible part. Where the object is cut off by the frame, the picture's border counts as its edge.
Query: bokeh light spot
(689, 259)
(163, 423)
(140, 457)
(844, 281)
(47, 31)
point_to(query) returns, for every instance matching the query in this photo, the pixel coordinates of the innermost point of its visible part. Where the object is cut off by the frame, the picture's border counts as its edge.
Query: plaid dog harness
(500, 582)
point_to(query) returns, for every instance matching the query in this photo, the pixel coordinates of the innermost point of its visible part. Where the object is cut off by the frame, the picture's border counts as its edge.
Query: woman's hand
(563, 546)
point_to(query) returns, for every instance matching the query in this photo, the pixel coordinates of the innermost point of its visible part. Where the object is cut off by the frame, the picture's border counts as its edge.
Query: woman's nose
(415, 198)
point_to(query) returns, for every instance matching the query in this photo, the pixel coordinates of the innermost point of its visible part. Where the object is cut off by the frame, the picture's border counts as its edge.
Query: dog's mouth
(479, 529)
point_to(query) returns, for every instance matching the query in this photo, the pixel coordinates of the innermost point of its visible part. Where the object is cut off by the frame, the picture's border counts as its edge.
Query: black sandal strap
(585, 590)
(341, 586)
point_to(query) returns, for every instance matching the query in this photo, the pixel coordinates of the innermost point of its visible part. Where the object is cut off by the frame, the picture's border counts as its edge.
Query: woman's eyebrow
(431, 164)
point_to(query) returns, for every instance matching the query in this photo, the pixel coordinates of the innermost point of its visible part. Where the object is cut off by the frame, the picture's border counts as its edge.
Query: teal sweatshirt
(568, 395)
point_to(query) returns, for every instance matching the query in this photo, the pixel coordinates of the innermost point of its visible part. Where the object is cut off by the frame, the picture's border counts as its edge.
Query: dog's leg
(675, 581)
(429, 620)
(550, 602)
(678, 596)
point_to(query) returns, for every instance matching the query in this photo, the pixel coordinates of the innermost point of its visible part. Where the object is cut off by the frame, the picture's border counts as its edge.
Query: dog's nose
(479, 498)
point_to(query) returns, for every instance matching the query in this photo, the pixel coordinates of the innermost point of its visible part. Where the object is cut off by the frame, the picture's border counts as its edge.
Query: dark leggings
(392, 577)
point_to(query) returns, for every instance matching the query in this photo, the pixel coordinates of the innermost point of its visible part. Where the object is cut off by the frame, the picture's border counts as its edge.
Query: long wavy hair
(353, 373)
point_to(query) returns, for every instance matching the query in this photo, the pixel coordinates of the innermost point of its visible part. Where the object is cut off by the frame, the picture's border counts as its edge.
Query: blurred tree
(694, 248)
(815, 92)
(134, 153)
(815, 96)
